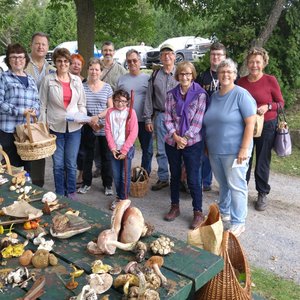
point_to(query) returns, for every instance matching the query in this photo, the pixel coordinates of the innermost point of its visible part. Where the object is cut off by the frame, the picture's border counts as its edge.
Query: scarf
(182, 106)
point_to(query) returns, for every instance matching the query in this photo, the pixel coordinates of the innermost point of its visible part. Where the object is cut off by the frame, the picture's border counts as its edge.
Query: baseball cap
(167, 47)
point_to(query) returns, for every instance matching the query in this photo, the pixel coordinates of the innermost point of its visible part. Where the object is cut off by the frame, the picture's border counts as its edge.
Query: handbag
(282, 143)
(259, 124)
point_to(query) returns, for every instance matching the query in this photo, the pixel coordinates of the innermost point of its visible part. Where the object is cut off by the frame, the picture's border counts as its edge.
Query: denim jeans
(118, 167)
(160, 132)
(64, 161)
(263, 146)
(146, 141)
(233, 187)
(192, 160)
(206, 171)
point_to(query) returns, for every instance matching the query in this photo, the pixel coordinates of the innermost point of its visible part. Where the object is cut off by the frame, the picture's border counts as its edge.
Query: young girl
(121, 130)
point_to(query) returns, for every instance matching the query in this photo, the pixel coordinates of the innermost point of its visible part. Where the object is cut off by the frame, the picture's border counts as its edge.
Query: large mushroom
(155, 262)
(133, 226)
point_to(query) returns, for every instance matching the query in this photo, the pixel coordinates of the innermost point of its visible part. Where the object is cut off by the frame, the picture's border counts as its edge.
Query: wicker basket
(225, 285)
(7, 165)
(30, 150)
(139, 182)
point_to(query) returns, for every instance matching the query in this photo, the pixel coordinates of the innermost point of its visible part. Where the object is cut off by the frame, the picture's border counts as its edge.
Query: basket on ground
(33, 140)
(139, 182)
(227, 284)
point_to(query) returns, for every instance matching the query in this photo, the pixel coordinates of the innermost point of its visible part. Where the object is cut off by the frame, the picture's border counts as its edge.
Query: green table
(187, 270)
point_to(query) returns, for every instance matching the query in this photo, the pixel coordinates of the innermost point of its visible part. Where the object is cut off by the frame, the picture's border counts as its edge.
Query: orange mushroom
(155, 262)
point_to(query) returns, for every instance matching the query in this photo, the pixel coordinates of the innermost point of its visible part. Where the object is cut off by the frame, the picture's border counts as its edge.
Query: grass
(273, 287)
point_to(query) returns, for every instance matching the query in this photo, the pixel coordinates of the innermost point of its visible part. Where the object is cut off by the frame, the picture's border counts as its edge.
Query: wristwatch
(269, 106)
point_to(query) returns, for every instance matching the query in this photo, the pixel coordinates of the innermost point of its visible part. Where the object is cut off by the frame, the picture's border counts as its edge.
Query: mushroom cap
(158, 260)
(133, 224)
(104, 237)
(131, 265)
(116, 219)
(100, 282)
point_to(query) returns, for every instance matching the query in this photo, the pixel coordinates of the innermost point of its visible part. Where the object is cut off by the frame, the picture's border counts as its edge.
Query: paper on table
(78, 117)
(243, 164)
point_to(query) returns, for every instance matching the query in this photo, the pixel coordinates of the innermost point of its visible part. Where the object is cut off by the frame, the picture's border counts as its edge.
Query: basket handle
(7, 161)
(144, 173)
(28, 115)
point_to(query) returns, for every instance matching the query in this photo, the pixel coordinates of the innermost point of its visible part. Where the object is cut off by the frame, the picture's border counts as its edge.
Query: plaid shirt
(196, 113)
(15, 97)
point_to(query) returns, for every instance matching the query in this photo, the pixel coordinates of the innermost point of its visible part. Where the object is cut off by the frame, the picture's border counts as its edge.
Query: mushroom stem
(164, 280)
(122, 246)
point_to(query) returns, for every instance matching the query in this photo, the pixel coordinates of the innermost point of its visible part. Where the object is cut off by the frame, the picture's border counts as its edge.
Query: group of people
(203, 123)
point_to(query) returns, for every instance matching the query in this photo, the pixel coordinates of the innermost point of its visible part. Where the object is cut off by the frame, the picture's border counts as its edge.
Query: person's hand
(94, 120)
(262, 109)
(149, 127)
(31, 111)
(180, 141)
(243, 155)
(121, 156)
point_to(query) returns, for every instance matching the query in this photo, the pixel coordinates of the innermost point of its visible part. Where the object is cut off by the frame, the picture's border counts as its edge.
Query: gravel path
(271, 240)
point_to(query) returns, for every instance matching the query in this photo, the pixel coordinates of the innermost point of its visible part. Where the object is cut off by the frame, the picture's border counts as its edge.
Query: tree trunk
(85, 29)
(266, 32)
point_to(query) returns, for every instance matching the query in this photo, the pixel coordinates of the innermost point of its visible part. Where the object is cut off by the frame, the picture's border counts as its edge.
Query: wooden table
(187, 270)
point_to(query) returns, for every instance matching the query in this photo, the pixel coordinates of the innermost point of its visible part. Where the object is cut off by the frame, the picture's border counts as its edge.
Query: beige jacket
(52, 104)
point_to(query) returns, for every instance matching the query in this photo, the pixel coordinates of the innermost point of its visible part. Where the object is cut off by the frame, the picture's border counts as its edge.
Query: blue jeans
(118, 167)
(64, 161)
(192, 160)
(146, 141)
(233, 187)
(160, 132)
(206, 171)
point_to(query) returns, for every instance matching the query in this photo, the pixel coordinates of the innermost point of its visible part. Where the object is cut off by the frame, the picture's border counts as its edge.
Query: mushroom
(140, 249)
(116, 219)
(134, 226)
(131, 267)
(100, 283)
(162, 246)
(126, 280)
(155, 262)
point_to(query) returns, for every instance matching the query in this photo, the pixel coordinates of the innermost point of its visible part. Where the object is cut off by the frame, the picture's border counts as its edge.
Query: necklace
(215, 82)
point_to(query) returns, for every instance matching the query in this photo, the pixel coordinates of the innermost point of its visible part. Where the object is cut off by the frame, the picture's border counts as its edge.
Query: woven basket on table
(225, 285)
(139, 188)
(30, 150)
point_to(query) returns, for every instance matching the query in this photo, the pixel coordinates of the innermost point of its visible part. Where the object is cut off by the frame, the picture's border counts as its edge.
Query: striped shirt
(96, 102)
(15, 98)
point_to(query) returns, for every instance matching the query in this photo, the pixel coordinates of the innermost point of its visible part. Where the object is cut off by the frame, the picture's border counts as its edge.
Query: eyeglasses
(120, 101)
(185, 74)
(62, 61)
(226, 72)
(17, 57)
(132, 61)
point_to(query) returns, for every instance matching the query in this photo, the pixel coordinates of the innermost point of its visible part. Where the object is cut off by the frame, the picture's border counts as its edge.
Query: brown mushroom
(116, 219)
(131, 267)
(155, 262)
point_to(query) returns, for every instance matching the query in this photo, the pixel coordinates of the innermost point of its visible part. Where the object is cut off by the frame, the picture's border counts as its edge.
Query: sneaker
(97, 173)
(225, 218)
(237, 229)
(108, 191)
(114, 204)
(159, 185)
(261, 203)
(83, 189)
(206, 188)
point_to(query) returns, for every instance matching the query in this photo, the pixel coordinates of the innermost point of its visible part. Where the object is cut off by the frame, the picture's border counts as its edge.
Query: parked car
(72, 46)
(188, 48)
(3, 66)
(120, 54)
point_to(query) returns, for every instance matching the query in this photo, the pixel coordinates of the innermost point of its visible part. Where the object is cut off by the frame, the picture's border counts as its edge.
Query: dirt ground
(271, 240)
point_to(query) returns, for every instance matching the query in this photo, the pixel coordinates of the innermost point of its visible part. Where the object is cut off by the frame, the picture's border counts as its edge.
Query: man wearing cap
(160, 82)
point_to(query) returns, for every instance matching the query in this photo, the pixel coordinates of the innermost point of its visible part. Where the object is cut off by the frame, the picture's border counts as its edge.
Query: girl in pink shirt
(121, 130)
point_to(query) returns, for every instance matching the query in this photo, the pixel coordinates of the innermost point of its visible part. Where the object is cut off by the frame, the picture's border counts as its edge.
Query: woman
(185, 107)
(18, 96)
(62, 95)
(266, 92)
(77, 63)
(121, 130)
(229, 124)
(99, 99)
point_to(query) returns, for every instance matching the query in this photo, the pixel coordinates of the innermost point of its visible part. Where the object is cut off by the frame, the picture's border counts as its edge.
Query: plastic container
(28, 178)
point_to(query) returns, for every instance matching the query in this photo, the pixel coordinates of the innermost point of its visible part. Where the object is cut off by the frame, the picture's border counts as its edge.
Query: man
(209, 81)
(38, 67)
(111, 71)
(160, 82)
(138, 82)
